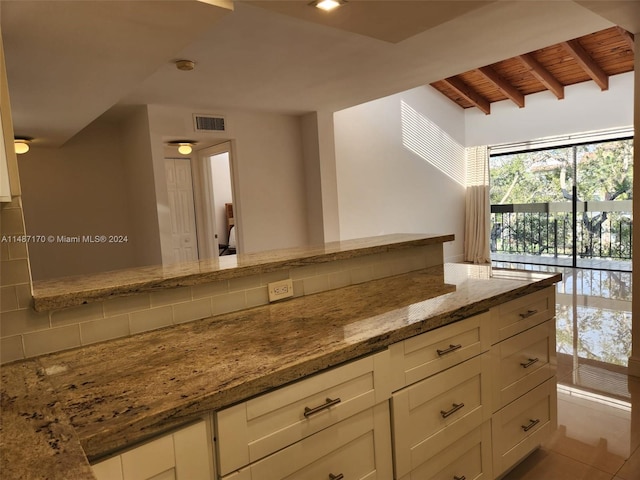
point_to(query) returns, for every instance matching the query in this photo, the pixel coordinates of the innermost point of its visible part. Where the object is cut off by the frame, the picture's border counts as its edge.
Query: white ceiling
(68, 62)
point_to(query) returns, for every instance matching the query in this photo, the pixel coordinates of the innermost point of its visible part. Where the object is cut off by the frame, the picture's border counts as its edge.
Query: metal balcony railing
(603, 229)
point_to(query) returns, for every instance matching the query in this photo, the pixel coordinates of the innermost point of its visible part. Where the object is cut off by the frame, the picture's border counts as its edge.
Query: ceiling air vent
(208, 123)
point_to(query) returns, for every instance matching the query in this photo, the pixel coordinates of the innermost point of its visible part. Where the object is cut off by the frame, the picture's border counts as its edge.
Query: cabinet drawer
(439, 410)
(522, 362)
(432, 352)
(181, 455)
(523, 425)
(254, 429)
(518, 315)
(357, 448)
(469, 458)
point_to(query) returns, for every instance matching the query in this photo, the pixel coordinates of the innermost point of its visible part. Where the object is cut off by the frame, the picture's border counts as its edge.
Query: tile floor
(598, 436)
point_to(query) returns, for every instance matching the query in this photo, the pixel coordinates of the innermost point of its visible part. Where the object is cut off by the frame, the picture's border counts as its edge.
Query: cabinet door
(523, 362)
(182, 455)
(259, 427)
(523, 425)
(357, 448)
(439, 410)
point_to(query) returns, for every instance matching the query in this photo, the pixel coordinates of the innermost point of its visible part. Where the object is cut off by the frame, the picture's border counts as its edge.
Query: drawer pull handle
(336, 477)
(529, 313)
(454, 409)
(452, 348)
(532, 424)
(530, 362)
(455, 477)
(310, 411)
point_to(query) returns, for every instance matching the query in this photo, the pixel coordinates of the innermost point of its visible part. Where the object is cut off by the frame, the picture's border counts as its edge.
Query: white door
(181, 206)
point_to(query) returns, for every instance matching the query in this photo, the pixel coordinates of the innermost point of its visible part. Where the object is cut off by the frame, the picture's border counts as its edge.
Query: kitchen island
(99, 399)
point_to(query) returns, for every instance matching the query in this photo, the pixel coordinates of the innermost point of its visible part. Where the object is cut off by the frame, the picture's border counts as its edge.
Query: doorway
(216, 211)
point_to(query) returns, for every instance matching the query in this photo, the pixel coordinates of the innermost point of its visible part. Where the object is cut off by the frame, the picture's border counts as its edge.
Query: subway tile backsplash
(99, 330)
(51, 340)
(25, 333)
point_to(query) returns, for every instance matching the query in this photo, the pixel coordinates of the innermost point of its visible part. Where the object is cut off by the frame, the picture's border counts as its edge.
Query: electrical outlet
(280, 290)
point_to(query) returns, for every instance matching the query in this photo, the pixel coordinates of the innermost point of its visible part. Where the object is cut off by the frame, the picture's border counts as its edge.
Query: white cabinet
(522, 362)
(523, 359)
(9, 182)
(473, 398)
(523, 425)
(313, 426)
(441, 417)
(356, 448)
(515, 316)
(432, 352)
(469, 458)
(181, 455)
(439, 410)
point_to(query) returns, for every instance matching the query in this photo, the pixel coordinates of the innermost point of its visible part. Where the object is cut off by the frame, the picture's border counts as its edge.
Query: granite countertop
(107, 396)
(76, 290)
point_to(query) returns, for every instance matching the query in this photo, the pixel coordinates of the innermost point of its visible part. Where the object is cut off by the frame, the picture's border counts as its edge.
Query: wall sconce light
(21, 144)
(185, 147)
(328, 5)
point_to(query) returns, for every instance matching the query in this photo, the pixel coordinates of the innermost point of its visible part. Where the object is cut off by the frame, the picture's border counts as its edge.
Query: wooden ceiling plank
(542, 75)
(587, 63)
(628, 38)
(467, 92)
(504, 86)
(451, 94)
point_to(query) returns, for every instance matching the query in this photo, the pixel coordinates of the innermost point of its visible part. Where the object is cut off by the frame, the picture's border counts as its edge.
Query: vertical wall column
(634, 361)
(319, 154)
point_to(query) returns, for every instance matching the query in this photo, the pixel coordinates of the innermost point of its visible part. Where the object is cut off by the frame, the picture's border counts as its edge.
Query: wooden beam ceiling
(542, 75)
(587, 64)
(593, 57)
(468, 93)
(628, 37)
(504, 86)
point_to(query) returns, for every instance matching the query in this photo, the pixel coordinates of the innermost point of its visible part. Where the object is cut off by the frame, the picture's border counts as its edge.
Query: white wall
(383, 186)
(267, 166)
(584, 108)
(313, 179)
(320, 177)
(139, 181)
(78, 189)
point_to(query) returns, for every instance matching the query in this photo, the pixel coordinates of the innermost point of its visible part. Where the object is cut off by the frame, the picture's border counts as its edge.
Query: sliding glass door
(567, 205)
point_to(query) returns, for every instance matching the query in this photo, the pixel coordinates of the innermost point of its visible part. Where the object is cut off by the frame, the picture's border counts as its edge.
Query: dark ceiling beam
(542, 75)
(587, 63)
(468, 93)
(628, 37)
(501, 84)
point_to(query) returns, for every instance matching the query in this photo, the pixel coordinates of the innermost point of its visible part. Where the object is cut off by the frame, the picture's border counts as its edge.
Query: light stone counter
(110, 395)
(71, 291)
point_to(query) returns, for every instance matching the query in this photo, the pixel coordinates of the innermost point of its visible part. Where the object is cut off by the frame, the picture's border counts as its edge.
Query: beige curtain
(478, 210)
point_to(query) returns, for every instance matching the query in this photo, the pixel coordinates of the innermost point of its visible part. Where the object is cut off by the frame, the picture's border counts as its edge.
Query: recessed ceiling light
(327, 5)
